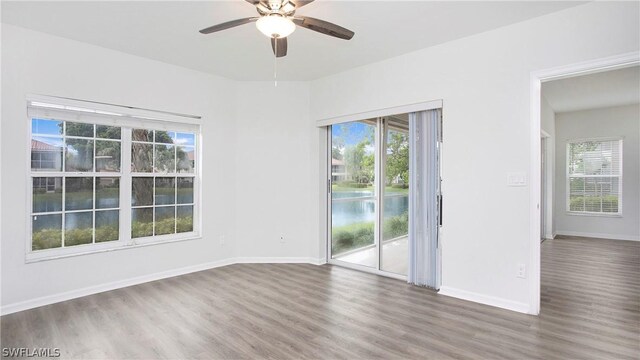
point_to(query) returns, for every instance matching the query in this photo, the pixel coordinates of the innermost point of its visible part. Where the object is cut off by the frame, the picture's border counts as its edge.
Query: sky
(352, 132)
(54, 128)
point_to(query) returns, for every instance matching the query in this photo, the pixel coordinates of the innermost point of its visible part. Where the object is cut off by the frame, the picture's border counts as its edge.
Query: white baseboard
(52, 299)
(484, 299)
(278, 260)
(599, 235)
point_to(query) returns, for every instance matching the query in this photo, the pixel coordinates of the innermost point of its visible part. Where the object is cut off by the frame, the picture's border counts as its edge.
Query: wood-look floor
(590, 310)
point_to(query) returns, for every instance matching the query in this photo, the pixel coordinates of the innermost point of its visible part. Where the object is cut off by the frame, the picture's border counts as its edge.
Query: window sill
(573, 213)
(46, 255)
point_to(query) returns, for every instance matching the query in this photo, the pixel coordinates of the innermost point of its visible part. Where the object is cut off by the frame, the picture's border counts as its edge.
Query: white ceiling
(168, 31)
(603, 89)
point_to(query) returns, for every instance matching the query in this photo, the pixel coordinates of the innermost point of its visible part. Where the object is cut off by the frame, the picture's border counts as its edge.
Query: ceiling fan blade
(324, 27)
(282, 46)
(227, 25)
(300, 3)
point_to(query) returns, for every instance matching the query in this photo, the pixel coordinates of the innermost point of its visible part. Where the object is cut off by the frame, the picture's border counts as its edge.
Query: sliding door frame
(379, 191)
(379, 203)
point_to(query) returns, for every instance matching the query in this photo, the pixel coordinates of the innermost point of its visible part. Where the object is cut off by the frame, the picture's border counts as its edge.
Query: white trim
(279, 260)
(403, 109)
(536, 78)
(54, 254)
(592, 214)
(95, 107)
(366, 269)
(326, 236)
(549, 183)
(589, 67)
(599, 235)
(535, 189)
(378, 171)
(111, 120)
(485, 299)
(73, 294)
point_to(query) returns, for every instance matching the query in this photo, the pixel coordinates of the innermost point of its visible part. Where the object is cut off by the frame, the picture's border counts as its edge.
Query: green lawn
(354, 236)
(52, 238)
(592, 203)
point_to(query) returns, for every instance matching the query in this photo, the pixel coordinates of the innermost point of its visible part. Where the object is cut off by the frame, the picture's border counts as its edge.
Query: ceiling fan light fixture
(275, 26)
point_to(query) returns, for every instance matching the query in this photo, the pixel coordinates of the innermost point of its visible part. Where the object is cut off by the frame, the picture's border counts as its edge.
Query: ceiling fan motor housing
(275, 26)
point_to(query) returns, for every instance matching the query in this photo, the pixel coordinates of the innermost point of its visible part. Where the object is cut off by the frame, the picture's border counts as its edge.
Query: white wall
(484, 83)
(548, 125)
(35, 63)
(262, 143)
(274, 179)
(623, 121)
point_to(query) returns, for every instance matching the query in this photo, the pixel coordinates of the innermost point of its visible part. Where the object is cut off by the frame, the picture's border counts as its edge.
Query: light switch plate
(517, 179)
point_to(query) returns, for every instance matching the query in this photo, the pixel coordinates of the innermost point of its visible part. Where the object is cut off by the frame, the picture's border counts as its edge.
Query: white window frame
(568, 177)
(62, 109)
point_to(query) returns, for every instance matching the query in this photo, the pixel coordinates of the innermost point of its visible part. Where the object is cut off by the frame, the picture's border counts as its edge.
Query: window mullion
(64, 209)
(125, 186)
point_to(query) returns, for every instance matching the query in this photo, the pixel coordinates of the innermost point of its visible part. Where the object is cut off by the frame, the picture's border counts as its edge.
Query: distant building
(338, 170)
(186, 160)
(46, 157)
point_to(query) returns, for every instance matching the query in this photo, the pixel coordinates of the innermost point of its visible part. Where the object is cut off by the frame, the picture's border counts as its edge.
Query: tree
(398, 157)
(338, 141)
(359, 165)
(358, 158)
(336, 153)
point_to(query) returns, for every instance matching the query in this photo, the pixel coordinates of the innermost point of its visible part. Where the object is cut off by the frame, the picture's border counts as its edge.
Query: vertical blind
(424, 139)
(594, 169)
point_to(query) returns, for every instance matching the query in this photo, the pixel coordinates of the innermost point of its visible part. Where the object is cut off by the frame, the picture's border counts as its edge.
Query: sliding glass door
(369, 195)
(353, 194)
(395, 199)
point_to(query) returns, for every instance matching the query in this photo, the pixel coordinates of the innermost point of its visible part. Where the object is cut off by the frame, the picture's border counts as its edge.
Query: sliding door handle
(440, 211)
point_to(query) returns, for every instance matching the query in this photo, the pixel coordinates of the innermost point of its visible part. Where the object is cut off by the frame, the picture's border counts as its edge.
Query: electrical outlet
(222, 239)
(522, 271)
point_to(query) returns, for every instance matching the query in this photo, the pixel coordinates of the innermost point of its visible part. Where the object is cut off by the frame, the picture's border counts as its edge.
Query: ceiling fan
(277, 20)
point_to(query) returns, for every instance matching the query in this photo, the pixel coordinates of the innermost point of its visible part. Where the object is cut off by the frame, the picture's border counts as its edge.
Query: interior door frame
(546, 206)
(535, 81)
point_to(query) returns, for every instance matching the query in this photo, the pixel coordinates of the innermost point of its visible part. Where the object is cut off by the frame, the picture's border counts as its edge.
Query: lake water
(85, 203)
(355, 210)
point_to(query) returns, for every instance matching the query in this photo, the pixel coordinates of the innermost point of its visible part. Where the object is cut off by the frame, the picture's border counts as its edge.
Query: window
(100, 183)
(162, 204)
(594, 176)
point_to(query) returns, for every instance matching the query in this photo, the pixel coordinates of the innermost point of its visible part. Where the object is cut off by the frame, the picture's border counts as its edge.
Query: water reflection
(347, 212)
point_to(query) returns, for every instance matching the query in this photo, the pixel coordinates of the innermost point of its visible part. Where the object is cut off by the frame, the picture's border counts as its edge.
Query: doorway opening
(579, 177)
